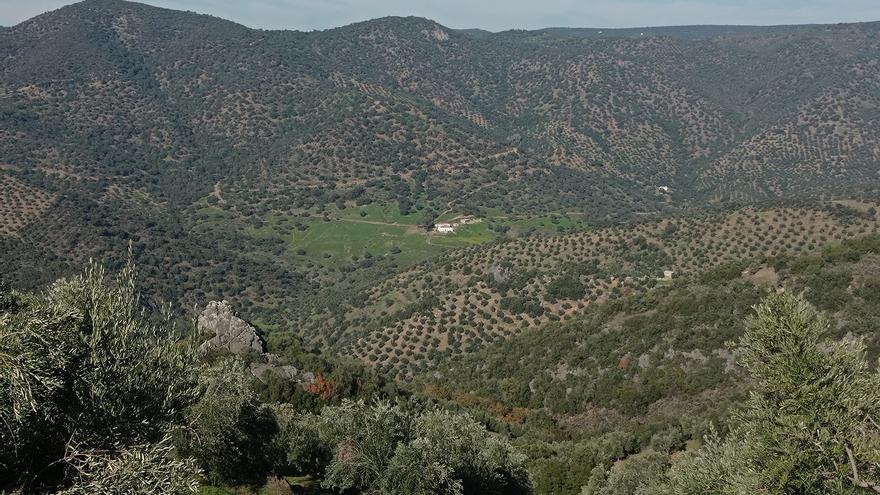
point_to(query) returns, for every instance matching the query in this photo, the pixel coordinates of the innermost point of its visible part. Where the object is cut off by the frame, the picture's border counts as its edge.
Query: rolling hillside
(464, 300)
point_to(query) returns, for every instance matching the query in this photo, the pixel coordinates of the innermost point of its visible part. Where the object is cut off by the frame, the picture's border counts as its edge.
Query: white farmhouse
(663, 189)
(445, 228)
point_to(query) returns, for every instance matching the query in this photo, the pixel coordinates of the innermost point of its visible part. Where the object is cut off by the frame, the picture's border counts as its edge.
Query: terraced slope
(464, 300)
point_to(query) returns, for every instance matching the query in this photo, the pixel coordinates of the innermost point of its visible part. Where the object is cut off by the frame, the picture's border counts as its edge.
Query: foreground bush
(82, 369)
(231, 431)
(150, 468)
(812, 418)
(809, 426)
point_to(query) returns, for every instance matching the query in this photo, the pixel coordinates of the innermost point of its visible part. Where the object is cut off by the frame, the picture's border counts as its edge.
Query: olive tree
(810, 423)
(84, 369)
(812, 416)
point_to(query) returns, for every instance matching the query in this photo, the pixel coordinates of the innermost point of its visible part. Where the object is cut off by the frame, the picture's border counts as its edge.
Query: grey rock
(729, 360)
(237, 336)
(230, 332)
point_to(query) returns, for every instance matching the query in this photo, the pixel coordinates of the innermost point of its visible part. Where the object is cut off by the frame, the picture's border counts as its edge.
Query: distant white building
(445, 228)
(667, 274)
(663, 189)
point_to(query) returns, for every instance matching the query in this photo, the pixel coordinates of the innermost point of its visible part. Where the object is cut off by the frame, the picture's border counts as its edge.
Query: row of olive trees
(97, 397)
(809, 425)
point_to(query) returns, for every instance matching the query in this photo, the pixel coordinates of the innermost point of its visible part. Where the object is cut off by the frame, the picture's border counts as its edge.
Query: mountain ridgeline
(167, 103)
(107, 101)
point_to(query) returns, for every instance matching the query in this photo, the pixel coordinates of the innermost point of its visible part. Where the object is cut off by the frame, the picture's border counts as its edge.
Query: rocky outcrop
(233, 334)
(230, 332)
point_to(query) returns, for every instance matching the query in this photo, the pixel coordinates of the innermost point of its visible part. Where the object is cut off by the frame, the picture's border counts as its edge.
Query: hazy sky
(497, 14)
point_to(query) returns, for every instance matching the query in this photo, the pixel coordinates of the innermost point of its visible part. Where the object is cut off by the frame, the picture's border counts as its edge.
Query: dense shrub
(232, 431)
(517, 304)
(82, 369)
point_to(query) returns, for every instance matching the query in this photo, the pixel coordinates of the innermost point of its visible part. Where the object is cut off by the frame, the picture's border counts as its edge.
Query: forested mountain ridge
(110, 106)
(285, 112)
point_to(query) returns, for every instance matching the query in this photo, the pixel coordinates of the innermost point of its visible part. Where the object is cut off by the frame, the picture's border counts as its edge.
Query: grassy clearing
(336, 235)
(343, 239)
(210, 214)
(347, 239)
